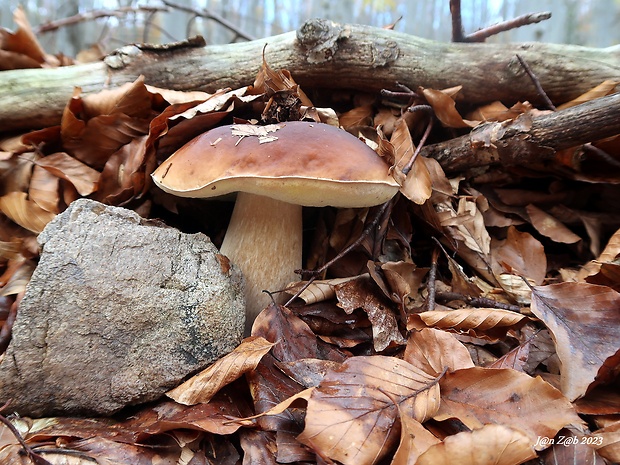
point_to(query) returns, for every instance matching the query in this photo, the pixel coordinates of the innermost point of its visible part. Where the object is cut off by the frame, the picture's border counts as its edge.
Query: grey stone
(119, 310)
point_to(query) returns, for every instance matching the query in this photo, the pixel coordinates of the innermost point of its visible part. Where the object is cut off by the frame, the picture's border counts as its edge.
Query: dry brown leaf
(25, 212)
(604, 88)
(271, 81)
(404, 279)
(444, 107)
(515, 359)
(521, 254)
(359, 293)
(358, 116)
(489, 445)
(44, 190)
(496, 111)
(96, 126)
(433, 351)
(516, 287)
(22, 46)
(608, 275)
(352, 415)
(609, 253)
(478, 396)
(583, 319)
(606, 441)
(418, 183)
(415, 439)
(466, 224)
(16, 171)
(202, 387)
(63, 166)
(485, 323)
(550, 227)
(131, 99)
(318, 291)
(124, 175)
(308, 372)
(571, 447)
(178, 96)
(20, 274)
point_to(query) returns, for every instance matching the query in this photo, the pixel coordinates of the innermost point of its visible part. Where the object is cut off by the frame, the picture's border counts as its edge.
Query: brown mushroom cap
(310, 164)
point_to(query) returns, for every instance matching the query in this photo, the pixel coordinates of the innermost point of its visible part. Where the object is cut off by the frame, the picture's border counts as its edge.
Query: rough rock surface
(119, 310)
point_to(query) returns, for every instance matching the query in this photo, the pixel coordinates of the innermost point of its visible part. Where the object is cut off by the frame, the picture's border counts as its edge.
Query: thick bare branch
(528, 141)
(321, 54)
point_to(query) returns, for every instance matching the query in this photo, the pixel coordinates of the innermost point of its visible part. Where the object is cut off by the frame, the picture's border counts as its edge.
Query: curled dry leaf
(358, 116)
(44, 190)
(63, 166)
(359, 293)
(466, 224)
(479, 396)
(17, 276)
(318, 291)
(604, 88)
(609, 253)
(521, 254)
(352, 415)
(485, 323)
(606, 441)
(583, 319)
(416, 184)
(489, 445)
(25, 212)
(444, 107)
(414, 440)
(433, 351)
(572, 447)
(550, 227)
(202, 387)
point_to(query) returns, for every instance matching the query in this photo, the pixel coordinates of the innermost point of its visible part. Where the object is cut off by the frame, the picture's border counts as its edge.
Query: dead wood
(526, 141)
(321, 54)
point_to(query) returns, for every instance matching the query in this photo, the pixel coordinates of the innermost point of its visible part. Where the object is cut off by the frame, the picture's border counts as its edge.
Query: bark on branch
(321, 54)
(526, 141)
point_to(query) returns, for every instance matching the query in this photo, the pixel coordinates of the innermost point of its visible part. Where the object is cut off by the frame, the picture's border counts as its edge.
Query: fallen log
(320, 54)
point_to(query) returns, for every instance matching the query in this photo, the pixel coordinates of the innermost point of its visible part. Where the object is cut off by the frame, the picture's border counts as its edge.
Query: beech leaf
(487, 323)
(479, 396)
(523, 255)
(432, 351)
(489, 445)
(583, 319)
(202, 387)
(63, 166)
(25, 212)
(352, 415)
(414, 440)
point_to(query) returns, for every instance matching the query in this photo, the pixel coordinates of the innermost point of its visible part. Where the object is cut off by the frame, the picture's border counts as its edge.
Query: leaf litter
(479, 317)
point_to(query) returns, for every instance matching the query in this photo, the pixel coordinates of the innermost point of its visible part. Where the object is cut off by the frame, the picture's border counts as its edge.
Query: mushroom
(276, 170)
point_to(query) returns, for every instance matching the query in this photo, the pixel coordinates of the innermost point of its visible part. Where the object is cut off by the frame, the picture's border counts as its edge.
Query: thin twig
(427, 131)
(206, 13)
(482, 34)
(432, 277)
(385, 209)
(537, 84)
(484, 302)
(32, 455)
(92, 15)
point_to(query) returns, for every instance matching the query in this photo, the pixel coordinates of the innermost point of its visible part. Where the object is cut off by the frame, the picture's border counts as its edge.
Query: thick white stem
(264, 238)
